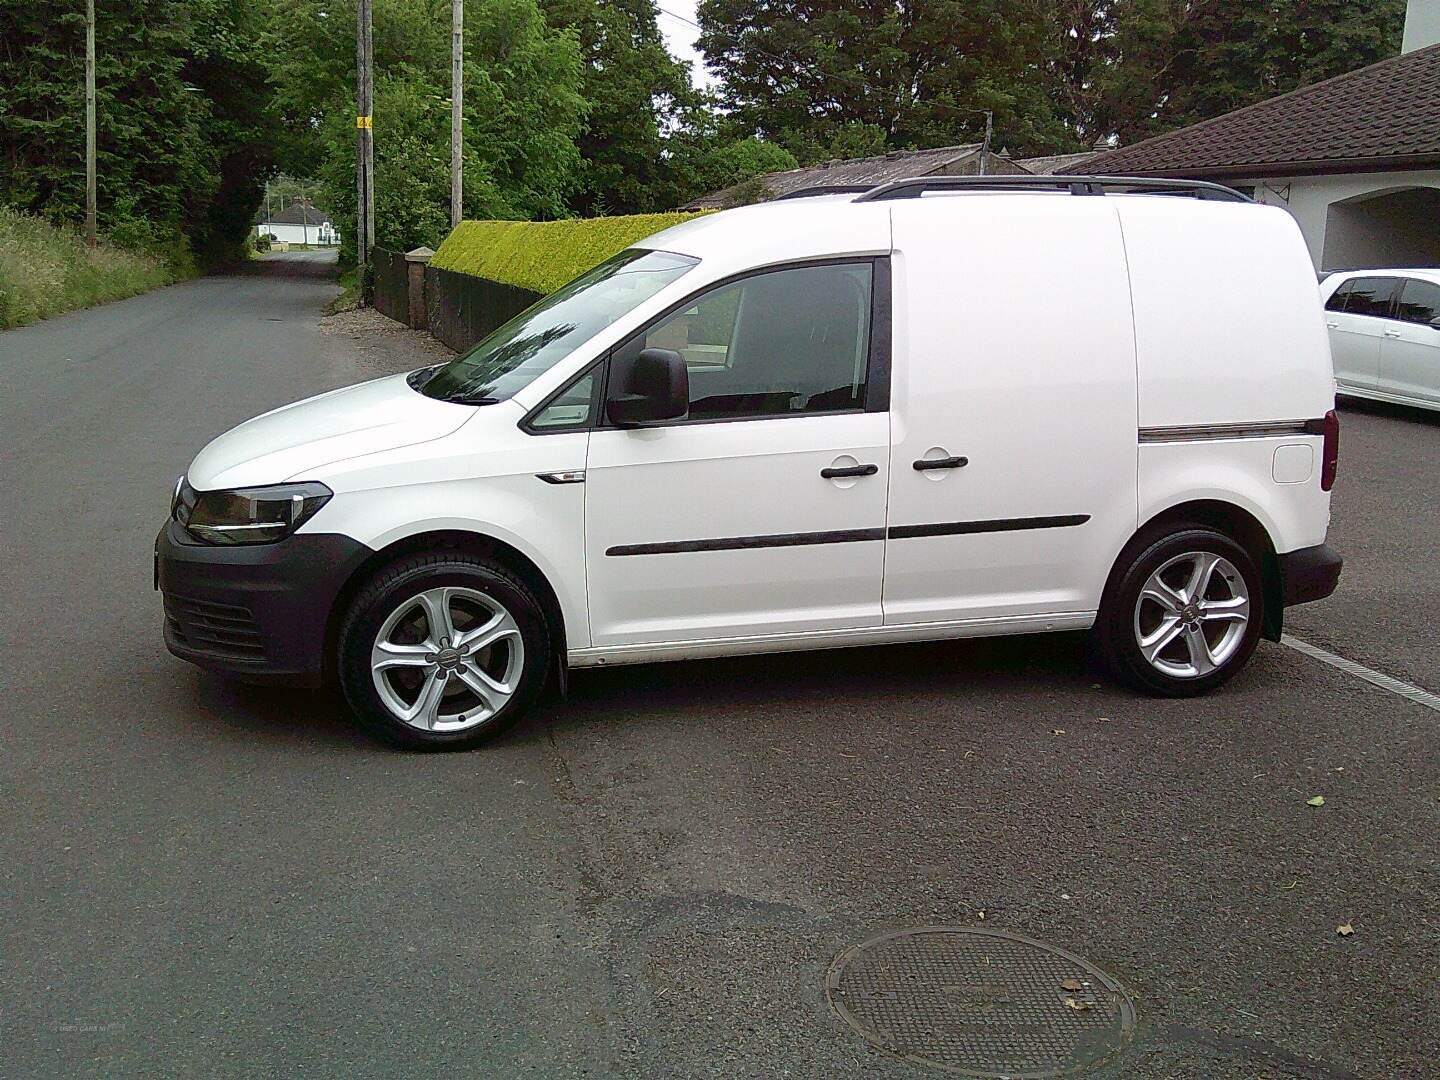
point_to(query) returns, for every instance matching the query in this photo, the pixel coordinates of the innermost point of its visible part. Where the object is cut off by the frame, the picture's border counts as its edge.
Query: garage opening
(1397, 227)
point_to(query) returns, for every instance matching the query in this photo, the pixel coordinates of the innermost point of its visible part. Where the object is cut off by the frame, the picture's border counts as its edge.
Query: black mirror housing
(656, 389)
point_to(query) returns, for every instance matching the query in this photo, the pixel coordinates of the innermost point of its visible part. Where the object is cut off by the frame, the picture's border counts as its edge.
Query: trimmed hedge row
(543, 255)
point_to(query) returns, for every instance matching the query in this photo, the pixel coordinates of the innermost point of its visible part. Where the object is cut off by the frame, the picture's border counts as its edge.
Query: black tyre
(442, 651)
(1182, 613)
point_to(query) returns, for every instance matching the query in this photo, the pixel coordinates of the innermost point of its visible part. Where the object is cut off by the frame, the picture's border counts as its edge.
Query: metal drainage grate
(982, 1003)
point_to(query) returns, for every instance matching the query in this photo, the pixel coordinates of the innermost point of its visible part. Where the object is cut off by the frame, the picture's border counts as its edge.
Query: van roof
(808, 225)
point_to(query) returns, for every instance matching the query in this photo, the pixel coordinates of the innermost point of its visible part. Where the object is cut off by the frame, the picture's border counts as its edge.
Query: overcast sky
(676, 19)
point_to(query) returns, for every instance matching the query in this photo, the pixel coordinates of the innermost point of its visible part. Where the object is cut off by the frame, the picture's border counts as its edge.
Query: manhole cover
(982, 1003)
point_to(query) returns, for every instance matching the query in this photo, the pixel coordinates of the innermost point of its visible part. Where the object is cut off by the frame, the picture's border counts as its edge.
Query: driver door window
(782, 343)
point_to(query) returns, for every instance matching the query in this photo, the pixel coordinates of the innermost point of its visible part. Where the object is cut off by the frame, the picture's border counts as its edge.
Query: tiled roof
(294, 214)
(1053, 163)
(1386, 115)
(898, 165)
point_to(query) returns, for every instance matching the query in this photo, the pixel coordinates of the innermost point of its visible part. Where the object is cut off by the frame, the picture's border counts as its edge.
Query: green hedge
(543, 255)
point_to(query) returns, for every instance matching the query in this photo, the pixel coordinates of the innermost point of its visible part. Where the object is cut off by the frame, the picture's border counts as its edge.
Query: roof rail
(824, 189)
(1075, 185)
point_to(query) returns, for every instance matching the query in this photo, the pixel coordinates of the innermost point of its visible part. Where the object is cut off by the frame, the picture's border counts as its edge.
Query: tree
(154, 168)
(636, 92)
(1135, 68)
(821, 77)
(708, 153)
(523, 112)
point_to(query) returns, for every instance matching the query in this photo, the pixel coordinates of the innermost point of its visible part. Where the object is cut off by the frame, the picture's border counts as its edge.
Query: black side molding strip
(849, 536)
(958, 528)
(735, 543)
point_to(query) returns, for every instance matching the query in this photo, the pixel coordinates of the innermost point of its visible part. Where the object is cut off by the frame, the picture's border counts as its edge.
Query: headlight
(250, 515)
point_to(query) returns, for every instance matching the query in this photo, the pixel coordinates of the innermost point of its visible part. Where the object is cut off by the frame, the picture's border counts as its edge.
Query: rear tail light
(1330, 451)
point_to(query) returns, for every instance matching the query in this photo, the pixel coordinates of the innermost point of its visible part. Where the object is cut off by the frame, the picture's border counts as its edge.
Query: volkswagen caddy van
(943, 408)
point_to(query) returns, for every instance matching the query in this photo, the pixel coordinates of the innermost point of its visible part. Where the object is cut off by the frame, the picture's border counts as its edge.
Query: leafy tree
(523, 112)
(822, 77)
(636, 91)
(179, 109)
(1135, 68)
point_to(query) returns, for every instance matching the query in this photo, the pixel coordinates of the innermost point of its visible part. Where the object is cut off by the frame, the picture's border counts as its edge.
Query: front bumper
(261, 611)
(1308, 574)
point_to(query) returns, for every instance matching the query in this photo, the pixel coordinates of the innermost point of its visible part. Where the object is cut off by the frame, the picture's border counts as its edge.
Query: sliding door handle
(926, 464)
(853, 470)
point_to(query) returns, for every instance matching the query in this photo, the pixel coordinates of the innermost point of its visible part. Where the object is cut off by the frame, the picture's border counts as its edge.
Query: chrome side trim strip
(649, 652)
(1264, 429)
(569, 476)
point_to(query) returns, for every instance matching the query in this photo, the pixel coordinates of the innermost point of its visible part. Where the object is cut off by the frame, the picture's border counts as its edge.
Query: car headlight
(258, 515)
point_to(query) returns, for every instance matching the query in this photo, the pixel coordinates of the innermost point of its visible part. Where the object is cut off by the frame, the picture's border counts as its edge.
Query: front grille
(222, 630)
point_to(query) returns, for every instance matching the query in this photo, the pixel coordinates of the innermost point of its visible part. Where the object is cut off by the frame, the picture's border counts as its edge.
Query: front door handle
(1392, 333)
(926, 464)
(852, 470)
(1333, 325)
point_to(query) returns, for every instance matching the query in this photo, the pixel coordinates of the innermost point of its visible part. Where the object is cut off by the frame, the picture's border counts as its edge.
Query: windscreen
(535, 340)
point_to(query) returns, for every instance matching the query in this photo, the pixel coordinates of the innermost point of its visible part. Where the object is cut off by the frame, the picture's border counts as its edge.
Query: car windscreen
(538, 338)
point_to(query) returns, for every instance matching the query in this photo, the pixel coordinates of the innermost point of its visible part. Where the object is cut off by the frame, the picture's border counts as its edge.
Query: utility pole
(365, 140)
(985, 146)
(457, 106)
(90, 122)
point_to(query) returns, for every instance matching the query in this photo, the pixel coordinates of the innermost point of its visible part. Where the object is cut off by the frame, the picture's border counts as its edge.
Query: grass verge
(45, 270)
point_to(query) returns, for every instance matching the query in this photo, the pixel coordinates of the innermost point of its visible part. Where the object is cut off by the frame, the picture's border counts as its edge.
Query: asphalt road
(650, 880)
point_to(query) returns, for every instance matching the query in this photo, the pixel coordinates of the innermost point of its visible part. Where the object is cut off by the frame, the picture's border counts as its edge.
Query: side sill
(656, 651)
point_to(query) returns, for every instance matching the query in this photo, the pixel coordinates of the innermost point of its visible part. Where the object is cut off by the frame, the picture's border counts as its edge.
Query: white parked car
(1385, 334)
(1006, 406)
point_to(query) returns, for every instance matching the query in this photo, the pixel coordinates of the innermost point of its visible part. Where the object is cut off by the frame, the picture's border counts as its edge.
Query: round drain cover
(982, 1003)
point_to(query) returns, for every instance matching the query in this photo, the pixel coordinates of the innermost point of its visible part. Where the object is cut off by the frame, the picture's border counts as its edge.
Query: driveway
(651, 879)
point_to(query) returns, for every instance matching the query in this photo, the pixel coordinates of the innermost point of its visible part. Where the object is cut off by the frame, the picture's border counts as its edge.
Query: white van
(942, 408)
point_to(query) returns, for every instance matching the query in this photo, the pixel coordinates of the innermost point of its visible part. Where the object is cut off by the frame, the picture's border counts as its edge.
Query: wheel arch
(1234, 521)
(459, 541)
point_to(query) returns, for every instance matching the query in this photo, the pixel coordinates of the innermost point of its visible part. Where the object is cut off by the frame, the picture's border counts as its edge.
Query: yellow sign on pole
(364, 122)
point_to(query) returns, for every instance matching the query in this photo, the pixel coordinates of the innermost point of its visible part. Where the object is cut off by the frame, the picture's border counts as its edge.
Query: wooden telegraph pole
(90, 122)
(457, 106)
(365, 141)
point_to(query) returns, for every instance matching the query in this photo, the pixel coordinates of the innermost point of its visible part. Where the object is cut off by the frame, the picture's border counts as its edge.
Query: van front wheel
(1184, 615)
(442, 652)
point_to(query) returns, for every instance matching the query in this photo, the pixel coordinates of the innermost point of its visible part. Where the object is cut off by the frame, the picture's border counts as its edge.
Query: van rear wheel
(442, 652)
(1184, 614)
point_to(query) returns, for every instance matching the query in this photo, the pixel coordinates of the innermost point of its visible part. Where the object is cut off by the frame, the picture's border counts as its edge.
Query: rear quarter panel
(1229, 329)
(1229, 326)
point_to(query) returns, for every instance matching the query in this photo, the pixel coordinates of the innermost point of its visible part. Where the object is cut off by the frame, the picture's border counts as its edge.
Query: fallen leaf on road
(1292, 885)
(1057, 731)
(1077, 1005)
(982, 915)
(1345, 929)
(1318, 800)
(1072, 984)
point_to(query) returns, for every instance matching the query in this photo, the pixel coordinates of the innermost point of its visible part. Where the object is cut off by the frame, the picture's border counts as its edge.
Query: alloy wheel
(447, 659)
(1192, 614)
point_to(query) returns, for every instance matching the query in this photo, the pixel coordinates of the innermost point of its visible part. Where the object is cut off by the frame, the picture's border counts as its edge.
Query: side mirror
(656, 389)
(1435, 324)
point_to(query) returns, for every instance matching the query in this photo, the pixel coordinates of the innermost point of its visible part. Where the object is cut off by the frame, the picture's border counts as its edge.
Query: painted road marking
(1360, 671)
